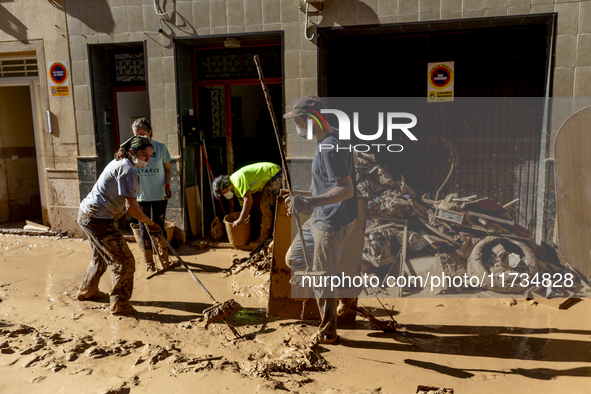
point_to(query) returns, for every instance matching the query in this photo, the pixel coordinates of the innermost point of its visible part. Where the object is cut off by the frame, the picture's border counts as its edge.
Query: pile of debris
(294, 355)
(34, 229)
(453, 236)
(433, 390)
(260, 259)
(293, 360)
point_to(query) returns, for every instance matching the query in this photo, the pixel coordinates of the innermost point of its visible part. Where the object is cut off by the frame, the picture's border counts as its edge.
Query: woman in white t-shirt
(154, 192)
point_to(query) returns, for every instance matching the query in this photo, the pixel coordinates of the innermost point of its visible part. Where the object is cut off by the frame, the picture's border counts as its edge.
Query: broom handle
(283, 159)
(275, 127)
(184, 264)
(204, 150)
(209, 180)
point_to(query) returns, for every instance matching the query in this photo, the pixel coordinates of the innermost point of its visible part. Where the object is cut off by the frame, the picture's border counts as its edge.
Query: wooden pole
(283, 159)
(403, 256)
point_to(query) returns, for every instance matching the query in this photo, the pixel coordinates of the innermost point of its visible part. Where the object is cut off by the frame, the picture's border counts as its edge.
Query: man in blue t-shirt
(333, 206)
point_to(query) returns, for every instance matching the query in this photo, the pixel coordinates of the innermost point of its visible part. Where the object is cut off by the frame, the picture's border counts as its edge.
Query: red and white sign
(59, 79)
(441, 81)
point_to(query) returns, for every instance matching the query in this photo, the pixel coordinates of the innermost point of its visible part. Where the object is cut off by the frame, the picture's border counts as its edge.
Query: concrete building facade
(38, 173)
(176, 44)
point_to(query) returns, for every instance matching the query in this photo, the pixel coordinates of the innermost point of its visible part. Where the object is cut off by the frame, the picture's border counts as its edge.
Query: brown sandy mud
(52, 343)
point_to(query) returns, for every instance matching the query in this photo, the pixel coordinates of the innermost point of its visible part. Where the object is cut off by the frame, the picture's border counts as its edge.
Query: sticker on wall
(59, 79)
(440, 85)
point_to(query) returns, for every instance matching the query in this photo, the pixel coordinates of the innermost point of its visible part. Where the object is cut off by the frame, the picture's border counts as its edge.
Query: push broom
(219, 311)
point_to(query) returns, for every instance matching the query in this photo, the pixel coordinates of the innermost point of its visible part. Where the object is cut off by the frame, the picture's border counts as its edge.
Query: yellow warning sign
(60, 91)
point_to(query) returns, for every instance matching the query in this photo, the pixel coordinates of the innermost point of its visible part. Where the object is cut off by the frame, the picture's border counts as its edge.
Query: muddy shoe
(322, 339)
(80, 296)
(174, 264)
(170, 265)
(151, 267)
(344, 305)
(127, 311)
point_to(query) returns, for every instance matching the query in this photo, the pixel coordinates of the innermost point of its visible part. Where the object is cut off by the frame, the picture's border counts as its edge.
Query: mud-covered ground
(52, 343)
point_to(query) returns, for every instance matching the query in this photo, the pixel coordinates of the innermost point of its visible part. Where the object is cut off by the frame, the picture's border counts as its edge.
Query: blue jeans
(324, 252)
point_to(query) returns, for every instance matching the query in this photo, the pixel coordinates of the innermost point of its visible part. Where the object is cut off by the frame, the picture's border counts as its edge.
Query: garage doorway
(20, 169)
(509, 57)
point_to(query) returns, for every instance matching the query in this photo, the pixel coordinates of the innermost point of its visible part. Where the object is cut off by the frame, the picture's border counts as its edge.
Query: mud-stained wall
(25, 21)
(18, 165)
(40, 28)
(58, 26)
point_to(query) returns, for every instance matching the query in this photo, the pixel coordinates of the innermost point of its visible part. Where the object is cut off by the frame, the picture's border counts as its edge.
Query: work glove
(155, 230)
(168, 192)
(297, 204)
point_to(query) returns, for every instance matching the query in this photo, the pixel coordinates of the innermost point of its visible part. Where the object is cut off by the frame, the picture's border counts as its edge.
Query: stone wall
(121, 21)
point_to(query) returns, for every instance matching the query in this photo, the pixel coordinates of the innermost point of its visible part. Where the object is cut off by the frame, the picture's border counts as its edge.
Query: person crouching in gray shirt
(113, 194)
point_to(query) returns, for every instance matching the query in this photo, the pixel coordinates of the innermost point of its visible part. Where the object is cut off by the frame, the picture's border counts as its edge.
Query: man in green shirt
(259, 177)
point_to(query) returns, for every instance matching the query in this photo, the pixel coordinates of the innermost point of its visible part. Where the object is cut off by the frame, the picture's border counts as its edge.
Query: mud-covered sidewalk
(52, 343)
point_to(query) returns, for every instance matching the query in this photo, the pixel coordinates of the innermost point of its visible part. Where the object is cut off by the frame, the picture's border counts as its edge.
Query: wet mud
(50, 342)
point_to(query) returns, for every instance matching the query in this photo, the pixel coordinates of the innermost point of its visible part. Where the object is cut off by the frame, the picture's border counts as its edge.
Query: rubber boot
(148, 257)
(162, 252)
(266, 224)
(149, 260)
(146, 253)
(90, 284)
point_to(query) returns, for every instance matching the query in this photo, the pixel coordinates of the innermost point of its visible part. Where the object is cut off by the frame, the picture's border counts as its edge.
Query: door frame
(114, 91)
(227, 84)
(35, 95)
